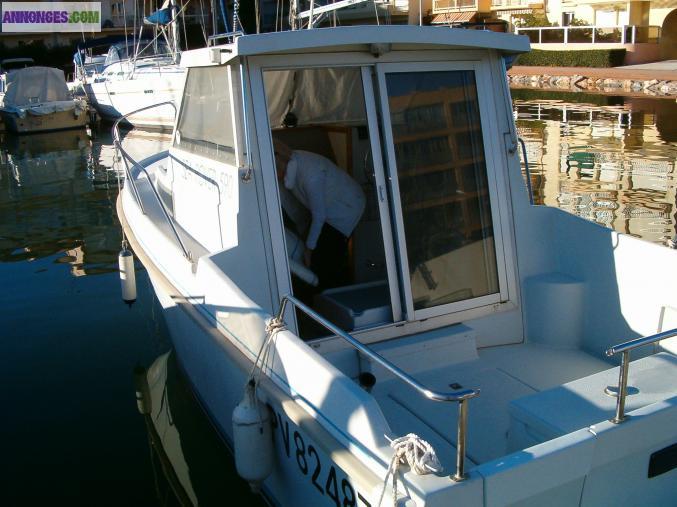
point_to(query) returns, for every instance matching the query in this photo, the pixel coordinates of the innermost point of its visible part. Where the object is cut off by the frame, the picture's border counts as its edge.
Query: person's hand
(307, 257)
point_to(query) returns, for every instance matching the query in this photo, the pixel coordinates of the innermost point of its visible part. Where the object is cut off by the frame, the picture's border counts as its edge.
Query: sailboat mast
(175, 29)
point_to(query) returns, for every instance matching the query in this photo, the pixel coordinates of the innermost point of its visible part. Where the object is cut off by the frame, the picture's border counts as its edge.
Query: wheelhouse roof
(359, 38)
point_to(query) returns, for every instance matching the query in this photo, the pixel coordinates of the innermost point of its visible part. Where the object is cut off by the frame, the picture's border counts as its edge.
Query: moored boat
(37, 99)
(141, 71)
(463, 348)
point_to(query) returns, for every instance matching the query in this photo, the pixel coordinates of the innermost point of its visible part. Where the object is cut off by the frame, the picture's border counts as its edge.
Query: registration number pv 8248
(327, 479)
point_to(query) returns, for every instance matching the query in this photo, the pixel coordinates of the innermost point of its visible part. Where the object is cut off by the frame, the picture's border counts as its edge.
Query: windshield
(147, 48)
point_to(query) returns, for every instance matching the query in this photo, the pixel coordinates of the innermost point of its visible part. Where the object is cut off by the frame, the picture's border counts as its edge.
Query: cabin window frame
(236, 97)
(490, 146)
(482, 59)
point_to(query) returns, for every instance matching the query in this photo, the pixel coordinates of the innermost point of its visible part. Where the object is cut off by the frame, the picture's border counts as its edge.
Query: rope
(410, 450)
(273, 327)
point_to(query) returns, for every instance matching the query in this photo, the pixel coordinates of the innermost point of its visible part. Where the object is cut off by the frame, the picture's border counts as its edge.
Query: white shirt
(329, 193)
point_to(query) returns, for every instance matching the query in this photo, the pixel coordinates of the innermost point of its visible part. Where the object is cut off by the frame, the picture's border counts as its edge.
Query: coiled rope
(410, 450)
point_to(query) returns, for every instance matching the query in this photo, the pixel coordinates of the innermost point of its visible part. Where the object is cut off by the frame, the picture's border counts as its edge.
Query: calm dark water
(71, 433)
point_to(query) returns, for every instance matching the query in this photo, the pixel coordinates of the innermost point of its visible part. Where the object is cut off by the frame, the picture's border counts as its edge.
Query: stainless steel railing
(127, 159)
(625, 348)
(461, 397)
(527, 172)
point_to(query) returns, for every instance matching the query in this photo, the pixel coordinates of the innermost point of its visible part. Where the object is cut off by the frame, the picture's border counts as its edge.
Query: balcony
(440, 6)
(515, 4)
(620, 34)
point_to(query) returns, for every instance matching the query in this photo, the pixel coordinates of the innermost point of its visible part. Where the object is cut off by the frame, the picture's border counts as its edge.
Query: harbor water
(69, 348)
(608, 159)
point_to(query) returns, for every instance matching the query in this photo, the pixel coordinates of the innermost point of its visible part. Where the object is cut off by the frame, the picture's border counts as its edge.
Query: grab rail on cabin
(527, 172)
(624, 348)
(461, 397)
(212, 39)
(127, 158)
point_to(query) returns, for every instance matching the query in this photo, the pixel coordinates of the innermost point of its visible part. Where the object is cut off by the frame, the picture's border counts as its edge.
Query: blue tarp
(160, 17)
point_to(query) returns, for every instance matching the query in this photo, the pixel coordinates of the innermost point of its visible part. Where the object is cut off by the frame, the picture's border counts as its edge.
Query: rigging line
(136, 8)
(124, 18)
(236, 14)
(378, 23)
(185, 34)
(202, 22)
(162, 32)
(213, 11)
(277, 14)
(257, 9)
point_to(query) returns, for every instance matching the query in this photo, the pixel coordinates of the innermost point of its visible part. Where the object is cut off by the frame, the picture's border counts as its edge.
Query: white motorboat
(139, 72)
(469, 355)
(37, 100)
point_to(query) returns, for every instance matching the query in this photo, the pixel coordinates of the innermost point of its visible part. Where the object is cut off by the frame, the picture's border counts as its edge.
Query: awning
(447, 18)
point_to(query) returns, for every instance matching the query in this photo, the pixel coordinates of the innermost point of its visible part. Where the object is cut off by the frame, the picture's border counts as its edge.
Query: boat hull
(59, 120)
(306, 469)
(113, 99)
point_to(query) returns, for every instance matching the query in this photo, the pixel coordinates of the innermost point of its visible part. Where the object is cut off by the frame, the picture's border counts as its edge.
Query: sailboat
(138, 72)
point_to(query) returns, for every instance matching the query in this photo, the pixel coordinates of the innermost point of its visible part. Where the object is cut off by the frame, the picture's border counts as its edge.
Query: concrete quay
(654, 79)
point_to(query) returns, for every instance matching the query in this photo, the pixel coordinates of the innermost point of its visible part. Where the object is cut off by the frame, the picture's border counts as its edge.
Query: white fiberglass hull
(116, 98)
(303, 448)
(314, 465)
(209, 230)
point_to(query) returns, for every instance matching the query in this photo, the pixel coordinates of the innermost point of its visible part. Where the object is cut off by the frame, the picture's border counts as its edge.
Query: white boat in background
(89, 60)
(37, 99)
(469, 356)
(139, 72)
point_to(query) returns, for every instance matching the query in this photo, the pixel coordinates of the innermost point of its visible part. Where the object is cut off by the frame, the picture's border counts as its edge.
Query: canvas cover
(35, 85)
(327, 95)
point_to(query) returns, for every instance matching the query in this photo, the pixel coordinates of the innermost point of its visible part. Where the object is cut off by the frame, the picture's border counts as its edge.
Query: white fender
(127, 276)
(252, 439)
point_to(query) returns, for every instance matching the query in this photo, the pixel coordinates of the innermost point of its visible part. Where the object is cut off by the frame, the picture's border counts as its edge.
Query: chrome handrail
(625, 348)
(526, 169)
(458, 396)
(127, 157)
(211, 40)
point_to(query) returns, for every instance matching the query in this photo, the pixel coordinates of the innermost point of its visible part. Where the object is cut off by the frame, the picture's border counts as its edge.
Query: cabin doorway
(333, 221)
(428, 241)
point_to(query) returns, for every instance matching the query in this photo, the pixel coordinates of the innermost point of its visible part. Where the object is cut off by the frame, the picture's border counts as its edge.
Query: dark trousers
(330, 259)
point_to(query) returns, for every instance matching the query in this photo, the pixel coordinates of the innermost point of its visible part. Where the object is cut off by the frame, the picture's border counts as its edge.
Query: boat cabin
(429, 238)
(373, 174)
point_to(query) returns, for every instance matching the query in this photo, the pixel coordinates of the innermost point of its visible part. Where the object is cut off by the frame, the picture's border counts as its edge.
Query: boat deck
(503, 374)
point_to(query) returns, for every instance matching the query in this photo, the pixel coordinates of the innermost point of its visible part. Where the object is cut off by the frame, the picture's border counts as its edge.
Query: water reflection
(55, 199)
(67, 343)
(189, 459)
(607, 159)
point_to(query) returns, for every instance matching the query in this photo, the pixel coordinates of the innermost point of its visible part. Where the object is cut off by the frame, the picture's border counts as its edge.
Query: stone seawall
(656, 83)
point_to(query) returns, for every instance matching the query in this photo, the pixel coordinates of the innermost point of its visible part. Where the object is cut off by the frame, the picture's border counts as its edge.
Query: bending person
(335, 202)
